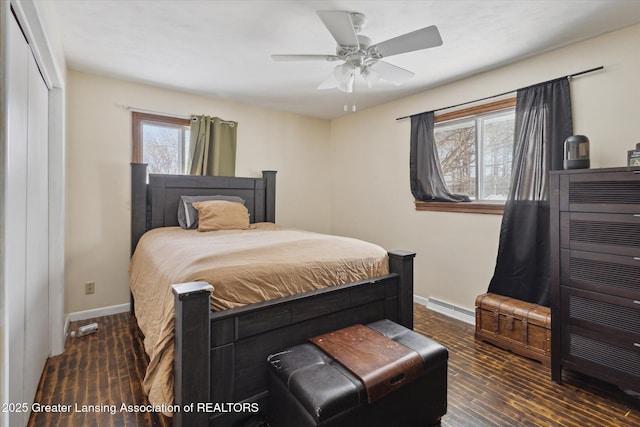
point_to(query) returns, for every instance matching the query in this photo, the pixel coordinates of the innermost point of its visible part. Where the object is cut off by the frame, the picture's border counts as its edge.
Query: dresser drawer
(601, 336)
(617, 318)
(615, 191)
(611, 274)
(596, 355)
(598, 232)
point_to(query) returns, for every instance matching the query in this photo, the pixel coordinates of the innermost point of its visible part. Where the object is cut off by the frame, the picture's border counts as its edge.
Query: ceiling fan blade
(291, 58)
(415, 40)
(340, 25)
(389, 72)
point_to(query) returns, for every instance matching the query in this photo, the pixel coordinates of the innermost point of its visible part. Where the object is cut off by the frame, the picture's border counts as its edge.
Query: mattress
(244, 267)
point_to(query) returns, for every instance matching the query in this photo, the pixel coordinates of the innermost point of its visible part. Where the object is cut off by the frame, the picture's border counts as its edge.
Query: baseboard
(447, 309)
(96, 312)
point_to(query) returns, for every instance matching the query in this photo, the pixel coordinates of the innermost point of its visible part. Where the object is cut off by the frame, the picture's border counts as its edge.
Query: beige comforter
(244, 267)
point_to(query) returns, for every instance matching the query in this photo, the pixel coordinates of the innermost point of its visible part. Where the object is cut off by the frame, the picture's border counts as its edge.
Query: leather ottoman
(307, 387)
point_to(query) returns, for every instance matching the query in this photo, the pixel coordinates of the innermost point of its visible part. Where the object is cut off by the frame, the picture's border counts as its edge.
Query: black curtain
(543, 121)
(427, 180)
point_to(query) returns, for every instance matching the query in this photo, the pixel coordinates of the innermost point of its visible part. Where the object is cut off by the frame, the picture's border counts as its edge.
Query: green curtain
(212, 149)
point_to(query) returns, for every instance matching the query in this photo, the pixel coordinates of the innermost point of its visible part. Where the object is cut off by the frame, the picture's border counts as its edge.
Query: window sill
(491, 208)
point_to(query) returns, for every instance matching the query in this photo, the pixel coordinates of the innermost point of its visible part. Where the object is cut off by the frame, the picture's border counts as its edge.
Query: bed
(219, 355)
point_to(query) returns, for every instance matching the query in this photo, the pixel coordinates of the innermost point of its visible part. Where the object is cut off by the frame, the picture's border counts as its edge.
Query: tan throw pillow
(214, 215)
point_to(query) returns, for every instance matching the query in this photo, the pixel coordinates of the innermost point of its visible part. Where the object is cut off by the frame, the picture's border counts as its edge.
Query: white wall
(349, 176)
(456, 252)
(98, 177)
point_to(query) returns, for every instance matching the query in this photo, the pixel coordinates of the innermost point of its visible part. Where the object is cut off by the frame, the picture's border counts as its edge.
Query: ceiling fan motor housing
(355, 55)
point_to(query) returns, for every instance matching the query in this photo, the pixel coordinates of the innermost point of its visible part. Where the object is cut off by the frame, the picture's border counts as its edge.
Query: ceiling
(222, 48)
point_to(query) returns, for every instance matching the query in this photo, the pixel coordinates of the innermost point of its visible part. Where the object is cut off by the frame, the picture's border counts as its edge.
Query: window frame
(137, 120)
(478, 207)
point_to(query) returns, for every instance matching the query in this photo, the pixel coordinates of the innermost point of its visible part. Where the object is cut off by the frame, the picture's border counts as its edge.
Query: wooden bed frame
(220, 356)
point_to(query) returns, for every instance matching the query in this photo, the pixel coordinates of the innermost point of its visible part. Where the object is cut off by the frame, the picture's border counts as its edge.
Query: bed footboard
(220, 357)
(191, 301)
(401, 263)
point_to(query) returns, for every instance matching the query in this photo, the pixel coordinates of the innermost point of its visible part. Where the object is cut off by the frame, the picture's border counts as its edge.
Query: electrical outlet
(90, 288)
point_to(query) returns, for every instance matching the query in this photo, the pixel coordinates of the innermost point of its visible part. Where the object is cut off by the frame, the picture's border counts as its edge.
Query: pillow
(188, 216)
(214, 215)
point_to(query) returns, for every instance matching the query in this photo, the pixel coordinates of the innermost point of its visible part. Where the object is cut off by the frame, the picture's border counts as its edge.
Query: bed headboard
(155, 204)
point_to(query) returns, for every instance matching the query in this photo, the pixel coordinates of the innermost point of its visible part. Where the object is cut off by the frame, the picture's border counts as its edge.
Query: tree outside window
(161, 142)
(476, 153)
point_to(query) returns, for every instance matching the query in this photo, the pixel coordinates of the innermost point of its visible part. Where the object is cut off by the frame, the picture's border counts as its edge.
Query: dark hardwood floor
(487, 386)
(105, 368)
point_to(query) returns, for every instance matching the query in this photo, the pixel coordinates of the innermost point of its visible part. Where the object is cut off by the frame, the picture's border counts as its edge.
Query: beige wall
(456, 252)
(349, 176)
(98, 188)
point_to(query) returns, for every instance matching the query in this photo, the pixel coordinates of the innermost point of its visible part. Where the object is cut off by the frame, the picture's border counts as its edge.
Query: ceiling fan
(359, 55)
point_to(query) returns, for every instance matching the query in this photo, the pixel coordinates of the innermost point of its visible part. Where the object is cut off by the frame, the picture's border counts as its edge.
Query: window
(161, 142)
(475, 146)
(476, 154)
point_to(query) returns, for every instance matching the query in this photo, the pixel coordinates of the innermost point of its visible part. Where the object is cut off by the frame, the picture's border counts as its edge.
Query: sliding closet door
(37, 275)
(15, 250)
(26, 252)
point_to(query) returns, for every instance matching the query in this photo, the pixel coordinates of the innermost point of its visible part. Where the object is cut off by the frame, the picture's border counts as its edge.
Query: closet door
(15, 214)
(26, 228)
(36, 343)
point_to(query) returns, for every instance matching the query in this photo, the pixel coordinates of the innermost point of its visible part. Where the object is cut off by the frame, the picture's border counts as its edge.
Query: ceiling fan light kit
(360, 56)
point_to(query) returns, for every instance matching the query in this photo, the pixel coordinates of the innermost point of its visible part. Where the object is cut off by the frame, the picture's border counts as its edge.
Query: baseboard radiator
(448, 309)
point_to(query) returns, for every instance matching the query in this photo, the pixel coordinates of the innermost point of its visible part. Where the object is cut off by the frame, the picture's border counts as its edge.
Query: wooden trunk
(521, 327)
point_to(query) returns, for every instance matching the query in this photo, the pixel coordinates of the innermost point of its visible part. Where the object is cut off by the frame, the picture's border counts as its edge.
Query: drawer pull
(636, 302)
(637, 344)
(636, 258)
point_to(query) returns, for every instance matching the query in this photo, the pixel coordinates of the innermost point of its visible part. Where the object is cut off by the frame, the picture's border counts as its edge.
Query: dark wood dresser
(595, 274)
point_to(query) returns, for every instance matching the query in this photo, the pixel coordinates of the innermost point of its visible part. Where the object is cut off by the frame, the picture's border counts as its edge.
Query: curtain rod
(568, 76)
(160, 113)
